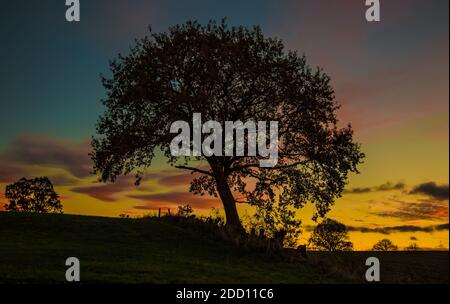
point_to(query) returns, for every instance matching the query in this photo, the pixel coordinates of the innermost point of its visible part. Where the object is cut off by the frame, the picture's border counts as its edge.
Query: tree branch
(195, 170)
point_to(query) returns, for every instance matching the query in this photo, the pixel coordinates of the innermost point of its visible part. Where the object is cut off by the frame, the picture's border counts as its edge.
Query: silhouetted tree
(226, 74)
(384, 245)
(32, 195)
(330, 235)
(412, 247)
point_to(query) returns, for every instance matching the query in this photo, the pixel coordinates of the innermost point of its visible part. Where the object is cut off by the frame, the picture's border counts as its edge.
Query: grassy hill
(34, 247)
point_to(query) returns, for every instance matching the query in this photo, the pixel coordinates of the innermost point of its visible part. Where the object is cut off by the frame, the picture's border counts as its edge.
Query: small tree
(384, 245)
(33, 195)
(330, 235)
(412, 247)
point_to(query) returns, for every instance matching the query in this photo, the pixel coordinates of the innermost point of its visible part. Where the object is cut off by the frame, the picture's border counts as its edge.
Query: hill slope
(34, 247)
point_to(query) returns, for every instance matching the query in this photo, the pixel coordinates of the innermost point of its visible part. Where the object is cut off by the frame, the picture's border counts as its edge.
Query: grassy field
(34, 247)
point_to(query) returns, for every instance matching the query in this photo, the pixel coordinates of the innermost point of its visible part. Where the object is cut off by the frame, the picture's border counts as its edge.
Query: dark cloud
(393, 229)
(431, 189)
(442, 227)
(384, 187)
(47, 151)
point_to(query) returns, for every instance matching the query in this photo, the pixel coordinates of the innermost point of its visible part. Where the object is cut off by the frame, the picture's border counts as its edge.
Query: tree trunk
(233, 222)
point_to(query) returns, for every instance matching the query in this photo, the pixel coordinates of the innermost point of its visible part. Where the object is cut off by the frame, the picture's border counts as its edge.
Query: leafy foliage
(32, 195)
(185, 211)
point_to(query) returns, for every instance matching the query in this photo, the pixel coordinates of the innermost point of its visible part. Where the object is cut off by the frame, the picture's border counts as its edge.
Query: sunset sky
(391, 78)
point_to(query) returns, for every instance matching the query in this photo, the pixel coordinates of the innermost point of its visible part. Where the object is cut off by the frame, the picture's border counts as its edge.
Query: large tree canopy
(227, 74)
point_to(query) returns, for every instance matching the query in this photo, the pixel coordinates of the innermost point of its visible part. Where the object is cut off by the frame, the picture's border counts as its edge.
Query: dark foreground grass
(34, 247)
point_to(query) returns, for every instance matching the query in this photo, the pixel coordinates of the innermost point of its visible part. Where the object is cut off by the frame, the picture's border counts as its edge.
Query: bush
(185, 211)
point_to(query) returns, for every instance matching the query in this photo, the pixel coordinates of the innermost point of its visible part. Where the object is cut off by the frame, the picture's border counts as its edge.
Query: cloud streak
(394, 229)
(388, 186)
(421, 210)
(109, 191)
(401, 228)
(173, 199)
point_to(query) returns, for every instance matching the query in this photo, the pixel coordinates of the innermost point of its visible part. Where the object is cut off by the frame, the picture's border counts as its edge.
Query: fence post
(159, 212)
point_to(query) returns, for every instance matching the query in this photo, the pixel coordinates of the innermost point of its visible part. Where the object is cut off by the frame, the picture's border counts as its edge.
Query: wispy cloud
(420, 210)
